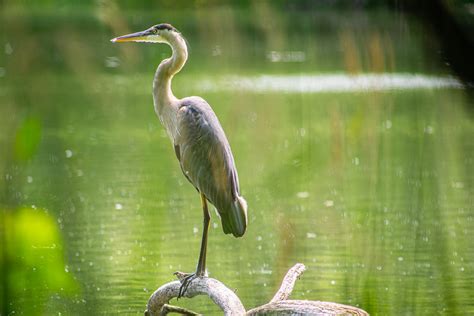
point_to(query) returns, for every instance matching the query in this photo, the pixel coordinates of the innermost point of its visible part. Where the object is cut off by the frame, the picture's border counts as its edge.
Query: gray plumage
(207, 162)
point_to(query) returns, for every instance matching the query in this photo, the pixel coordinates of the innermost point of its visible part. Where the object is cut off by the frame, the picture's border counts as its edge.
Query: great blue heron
(199, 142)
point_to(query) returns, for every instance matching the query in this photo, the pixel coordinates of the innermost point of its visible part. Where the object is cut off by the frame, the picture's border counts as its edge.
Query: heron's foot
(185, 279)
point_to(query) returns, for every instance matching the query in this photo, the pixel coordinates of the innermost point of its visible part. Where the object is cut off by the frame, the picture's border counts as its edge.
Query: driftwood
(230, 304)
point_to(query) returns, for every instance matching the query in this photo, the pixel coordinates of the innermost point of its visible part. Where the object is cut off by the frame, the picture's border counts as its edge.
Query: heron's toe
(185, 279)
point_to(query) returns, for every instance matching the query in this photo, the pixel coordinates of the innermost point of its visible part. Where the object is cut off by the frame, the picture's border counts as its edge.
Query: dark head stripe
(165, 26)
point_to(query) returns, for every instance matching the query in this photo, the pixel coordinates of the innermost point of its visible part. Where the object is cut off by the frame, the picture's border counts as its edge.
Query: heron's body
(207, 162)
(199, 141)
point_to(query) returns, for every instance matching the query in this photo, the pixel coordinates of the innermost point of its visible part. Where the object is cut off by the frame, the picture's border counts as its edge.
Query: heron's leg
(201, 266)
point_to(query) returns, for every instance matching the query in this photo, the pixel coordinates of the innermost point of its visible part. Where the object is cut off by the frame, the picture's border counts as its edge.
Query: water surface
(353, 145)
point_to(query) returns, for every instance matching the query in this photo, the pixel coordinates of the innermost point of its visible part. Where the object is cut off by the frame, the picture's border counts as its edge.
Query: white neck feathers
(162, 94)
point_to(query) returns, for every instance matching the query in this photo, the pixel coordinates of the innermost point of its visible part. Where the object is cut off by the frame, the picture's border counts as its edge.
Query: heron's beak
(134, 37)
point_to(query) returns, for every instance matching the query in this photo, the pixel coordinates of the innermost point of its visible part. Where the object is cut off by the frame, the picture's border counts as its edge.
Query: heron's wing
(204, 154)
(206, 160)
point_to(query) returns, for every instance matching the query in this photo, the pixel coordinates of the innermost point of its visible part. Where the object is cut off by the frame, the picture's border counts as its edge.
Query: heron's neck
(162, 94)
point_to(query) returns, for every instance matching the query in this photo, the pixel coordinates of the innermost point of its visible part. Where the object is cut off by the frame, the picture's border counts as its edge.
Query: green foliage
(27, 139)
(33, 261)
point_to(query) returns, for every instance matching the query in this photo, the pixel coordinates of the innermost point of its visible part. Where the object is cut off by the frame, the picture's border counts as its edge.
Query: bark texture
(230, 304)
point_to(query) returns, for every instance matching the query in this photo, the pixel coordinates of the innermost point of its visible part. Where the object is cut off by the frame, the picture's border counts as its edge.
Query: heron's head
(160, 33)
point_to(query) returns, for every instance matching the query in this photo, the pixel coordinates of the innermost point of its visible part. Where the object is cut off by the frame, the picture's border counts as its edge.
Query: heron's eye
(154, 31)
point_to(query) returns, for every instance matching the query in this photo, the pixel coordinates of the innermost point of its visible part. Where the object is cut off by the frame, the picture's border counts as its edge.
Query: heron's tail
(235, 220)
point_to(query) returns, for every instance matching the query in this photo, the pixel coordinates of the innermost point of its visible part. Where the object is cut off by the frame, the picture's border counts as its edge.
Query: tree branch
(166, 309)
(299, 307)
(288, 283)
(230, 304)
(217, 292)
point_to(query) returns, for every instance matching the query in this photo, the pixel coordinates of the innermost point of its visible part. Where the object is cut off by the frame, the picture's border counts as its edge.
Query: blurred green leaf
(27, 138)
(34, 261)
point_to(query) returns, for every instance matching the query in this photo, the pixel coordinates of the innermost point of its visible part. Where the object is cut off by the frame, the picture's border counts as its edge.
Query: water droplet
(118, 206)
(216, 51)
(310, 235)
(302, 195)
(112, 62)
(457, 185)
(68, 153)
(429, 129)
(8, 49)
(355, 161)
(29, 179)
(329, 203)
(195, 230)
(286, 56)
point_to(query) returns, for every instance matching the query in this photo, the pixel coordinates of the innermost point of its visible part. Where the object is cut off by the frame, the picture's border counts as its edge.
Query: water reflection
(328, 83)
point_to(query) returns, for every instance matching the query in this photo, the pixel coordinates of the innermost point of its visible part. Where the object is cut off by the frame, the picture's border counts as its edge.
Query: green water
(372, 189)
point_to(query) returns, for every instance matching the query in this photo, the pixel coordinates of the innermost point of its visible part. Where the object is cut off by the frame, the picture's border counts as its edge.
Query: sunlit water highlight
(329, 83)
